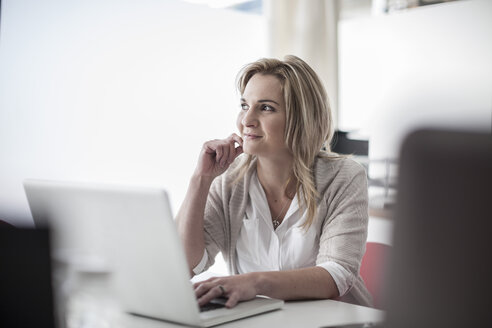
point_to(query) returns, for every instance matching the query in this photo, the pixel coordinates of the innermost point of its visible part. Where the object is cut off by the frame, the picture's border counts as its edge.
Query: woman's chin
(254, 150)
(248, 152)
(247, 149)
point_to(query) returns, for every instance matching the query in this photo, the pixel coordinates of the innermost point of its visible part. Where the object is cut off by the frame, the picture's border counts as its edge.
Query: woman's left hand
(236, 288)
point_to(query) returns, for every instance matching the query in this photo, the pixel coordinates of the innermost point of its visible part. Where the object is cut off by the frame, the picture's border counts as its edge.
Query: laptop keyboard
(216, 303)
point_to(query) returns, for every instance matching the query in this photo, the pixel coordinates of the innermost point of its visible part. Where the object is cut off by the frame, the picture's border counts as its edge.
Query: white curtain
(307, 29)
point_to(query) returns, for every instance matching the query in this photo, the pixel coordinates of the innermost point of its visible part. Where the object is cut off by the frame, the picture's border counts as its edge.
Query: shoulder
(333, 165)
(336, 171)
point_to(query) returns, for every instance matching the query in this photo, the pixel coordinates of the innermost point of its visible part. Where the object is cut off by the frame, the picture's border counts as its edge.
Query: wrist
(201, 181)
(259, 283)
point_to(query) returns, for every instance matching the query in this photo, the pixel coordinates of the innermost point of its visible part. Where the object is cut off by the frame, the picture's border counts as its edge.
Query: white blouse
(261, 248)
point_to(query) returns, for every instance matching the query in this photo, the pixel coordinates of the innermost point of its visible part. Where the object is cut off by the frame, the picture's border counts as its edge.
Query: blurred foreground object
(26, 298)
(439, 268)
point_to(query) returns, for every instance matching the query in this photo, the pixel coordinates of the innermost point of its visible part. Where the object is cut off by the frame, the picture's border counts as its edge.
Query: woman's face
(261, 120)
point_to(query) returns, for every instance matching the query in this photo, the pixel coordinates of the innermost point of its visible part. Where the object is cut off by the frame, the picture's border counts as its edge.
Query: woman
(289, 218)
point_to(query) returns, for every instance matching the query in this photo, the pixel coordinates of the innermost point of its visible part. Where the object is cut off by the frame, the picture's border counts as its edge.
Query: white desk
(299, 314)
(93, 304)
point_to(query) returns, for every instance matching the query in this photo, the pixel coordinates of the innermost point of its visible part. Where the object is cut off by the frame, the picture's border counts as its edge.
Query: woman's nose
(249, 118)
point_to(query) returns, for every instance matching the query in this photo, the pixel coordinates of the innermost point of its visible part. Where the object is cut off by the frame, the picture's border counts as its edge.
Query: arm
(344, 232)
(190, 219)
(306, 283)
(215, 158)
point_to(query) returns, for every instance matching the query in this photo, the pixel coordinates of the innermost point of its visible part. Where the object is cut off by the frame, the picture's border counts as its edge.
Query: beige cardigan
(341, 221)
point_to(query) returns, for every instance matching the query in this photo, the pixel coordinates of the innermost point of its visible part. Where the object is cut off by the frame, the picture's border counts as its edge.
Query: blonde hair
(308, 127)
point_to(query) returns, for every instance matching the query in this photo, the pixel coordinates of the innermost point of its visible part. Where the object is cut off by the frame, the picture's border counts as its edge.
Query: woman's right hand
(217, 155)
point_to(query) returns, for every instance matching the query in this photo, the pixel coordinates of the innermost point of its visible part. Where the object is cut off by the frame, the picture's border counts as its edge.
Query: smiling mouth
(251, 136)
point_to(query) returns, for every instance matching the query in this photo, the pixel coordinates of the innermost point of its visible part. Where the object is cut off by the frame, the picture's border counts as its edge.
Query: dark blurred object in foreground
(440, 265)
(5, 224)
(26, 298)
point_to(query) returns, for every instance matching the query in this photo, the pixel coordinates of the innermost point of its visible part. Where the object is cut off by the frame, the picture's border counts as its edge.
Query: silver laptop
(132, 230)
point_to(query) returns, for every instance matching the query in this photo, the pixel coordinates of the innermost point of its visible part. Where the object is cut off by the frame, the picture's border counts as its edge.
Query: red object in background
(373, 270)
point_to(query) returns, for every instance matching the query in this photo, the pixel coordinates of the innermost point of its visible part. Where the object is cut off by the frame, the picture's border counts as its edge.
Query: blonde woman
(289, 218)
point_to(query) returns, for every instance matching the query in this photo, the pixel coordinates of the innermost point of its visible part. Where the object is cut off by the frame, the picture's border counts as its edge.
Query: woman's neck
(276, 177)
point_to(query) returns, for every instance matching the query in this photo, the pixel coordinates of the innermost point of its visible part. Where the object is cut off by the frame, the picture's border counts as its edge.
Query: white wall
(121, 91)
(430, 66)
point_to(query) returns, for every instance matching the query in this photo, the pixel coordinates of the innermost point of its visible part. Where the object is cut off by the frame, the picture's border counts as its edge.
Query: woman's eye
(244, 107)
(267, 108)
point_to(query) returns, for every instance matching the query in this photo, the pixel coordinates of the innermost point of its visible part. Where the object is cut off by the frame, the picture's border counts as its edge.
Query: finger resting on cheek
(238, 139)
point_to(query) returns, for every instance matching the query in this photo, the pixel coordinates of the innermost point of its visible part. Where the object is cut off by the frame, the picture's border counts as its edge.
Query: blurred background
(126, 91)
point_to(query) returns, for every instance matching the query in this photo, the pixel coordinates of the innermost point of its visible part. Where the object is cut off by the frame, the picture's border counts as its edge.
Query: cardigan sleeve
(344, 228)
(214, 223)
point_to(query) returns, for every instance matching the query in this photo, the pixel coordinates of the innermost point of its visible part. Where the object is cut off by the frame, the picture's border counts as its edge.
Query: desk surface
(294, 314)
